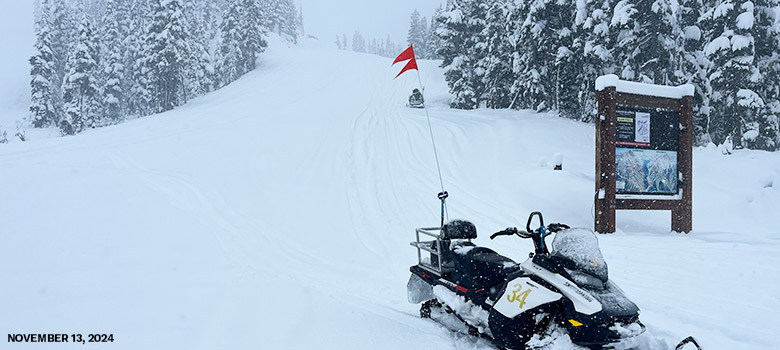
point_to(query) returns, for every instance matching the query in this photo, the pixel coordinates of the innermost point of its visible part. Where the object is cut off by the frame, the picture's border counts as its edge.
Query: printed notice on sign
(633, 128)
(642, 133)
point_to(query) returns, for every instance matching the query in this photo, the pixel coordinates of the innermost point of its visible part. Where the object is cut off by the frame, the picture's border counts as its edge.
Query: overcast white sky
(372, 18)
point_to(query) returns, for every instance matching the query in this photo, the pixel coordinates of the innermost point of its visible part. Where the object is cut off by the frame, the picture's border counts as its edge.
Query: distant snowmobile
(477, 291)
(416, 99)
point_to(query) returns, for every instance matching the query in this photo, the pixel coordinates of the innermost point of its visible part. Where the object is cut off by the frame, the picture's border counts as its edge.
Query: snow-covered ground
(276, 214)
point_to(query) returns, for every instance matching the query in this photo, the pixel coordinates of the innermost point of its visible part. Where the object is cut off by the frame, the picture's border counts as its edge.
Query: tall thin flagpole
(443, 194)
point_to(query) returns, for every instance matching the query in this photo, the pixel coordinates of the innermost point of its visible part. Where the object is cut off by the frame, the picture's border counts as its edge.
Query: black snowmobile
(517, 306)
(416, 99)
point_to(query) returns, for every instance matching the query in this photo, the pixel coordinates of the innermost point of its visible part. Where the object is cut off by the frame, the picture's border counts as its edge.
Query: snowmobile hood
(581, 247)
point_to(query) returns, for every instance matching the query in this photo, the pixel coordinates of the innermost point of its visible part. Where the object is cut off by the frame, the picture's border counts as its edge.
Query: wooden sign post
(644, 151)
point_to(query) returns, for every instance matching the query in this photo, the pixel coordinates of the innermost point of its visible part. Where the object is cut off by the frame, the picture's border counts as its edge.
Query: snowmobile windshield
(585, 280)
(581, 247)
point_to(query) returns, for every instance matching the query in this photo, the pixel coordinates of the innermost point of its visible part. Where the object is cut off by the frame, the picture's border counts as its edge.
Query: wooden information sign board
(644, 151)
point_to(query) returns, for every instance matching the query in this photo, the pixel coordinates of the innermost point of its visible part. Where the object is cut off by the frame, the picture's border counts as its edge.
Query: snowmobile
(416, 99)
(518, 306)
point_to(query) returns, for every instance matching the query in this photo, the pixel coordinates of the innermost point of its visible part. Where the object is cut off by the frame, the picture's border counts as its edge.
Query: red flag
(407, 54)
(412, 64)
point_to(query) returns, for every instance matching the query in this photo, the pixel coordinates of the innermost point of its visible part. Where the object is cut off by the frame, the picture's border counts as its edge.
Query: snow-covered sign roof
(631, 87)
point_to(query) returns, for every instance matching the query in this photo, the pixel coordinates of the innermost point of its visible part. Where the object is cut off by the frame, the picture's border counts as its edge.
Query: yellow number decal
(519, 295)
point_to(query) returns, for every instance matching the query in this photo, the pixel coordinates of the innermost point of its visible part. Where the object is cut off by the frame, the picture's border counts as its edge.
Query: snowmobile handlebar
(509, 231)
(538, 235)
(531, 217)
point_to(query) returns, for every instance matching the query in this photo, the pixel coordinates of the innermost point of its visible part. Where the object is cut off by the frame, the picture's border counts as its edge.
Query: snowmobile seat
(453, 230)
(478, 266)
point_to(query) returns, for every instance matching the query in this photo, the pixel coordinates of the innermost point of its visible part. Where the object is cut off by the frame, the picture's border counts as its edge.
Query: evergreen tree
(654, 61)
(133, 20)
(418, 35)
(230, 52)
(462, 50)
(282, 18)
(766, 35)
(733, 75)
(80, 90)
(253, 43)
(498, 77)
(692, 64)
(197, 81)
(112, 65)
(168, 49)
(594, 47)
(358, 42)
(624, 28)
(434, 41)
(547, 27)
(62, 30)
(43, 74)
(301, 29)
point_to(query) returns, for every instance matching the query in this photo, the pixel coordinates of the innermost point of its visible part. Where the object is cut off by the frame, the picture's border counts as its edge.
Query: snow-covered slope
(276, 214)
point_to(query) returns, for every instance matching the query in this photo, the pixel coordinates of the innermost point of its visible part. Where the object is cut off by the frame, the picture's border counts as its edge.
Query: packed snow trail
(276, 213)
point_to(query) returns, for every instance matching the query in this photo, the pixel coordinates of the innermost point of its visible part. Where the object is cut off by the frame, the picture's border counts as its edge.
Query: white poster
(642, 134)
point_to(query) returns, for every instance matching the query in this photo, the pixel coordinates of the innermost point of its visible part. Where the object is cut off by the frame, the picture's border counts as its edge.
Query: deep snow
(277, 213)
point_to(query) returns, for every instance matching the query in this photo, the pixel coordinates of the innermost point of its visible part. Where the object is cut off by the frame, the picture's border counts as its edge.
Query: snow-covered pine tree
(518, 59)
(733, 74)
(230, 64)
(196, 79)
(358, 42)
(416, 36)
(691, 63)
(211, 18)
(253, 43)
(111, 65)
(546, 30)
(624, 32)
(498, 77)
(290, 26)
(301, 29)
(658, 29)
(43, 75)
(79, 90)
(434, 41)
(62, 32)
(282, 18)
(594, 47)
(168, 49)
(133, 19)
(419, 35)
(461, 26)
(767, 43)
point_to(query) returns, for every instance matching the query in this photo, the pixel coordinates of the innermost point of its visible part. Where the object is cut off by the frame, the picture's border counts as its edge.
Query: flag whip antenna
(443, 194)
(408, 54)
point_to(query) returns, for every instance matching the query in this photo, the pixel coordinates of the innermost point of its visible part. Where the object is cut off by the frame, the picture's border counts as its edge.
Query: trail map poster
(647, 142)
(645, 171)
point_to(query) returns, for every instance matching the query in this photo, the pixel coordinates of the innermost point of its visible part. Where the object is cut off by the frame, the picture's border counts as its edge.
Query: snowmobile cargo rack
(429, 246)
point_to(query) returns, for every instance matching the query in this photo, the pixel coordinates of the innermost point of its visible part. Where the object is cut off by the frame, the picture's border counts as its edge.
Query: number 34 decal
(518, 295)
